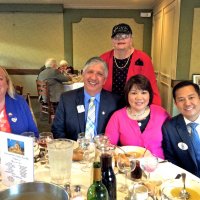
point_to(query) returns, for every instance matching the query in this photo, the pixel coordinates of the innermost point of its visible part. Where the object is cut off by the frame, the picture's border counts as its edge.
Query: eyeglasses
(121, 36)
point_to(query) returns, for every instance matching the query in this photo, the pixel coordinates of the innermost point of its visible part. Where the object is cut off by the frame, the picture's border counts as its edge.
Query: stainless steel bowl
(34, 190)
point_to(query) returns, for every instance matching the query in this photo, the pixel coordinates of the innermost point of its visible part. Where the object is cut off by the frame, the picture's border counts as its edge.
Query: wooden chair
(19, 89)
(28, 100)
(46, 106)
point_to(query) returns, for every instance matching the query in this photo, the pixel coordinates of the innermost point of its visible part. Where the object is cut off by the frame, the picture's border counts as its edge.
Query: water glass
(60, 153)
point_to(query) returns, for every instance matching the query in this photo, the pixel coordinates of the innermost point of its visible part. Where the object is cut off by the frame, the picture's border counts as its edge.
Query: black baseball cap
(121, 28)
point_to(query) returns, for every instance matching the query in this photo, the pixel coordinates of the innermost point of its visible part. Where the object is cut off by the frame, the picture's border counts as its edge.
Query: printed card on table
(17, 164)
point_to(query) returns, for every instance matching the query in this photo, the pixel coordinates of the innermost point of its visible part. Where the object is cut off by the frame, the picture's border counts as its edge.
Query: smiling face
(188, 102)
(3, 84)
(122, 42)
(94, 78)
(138, 98)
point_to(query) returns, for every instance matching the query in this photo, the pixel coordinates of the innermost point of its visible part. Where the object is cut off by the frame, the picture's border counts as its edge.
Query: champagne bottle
(108, 175)
(97, 191)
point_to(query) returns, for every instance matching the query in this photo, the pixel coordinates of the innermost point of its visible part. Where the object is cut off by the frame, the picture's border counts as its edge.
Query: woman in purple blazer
(140, 122)
(15, 115)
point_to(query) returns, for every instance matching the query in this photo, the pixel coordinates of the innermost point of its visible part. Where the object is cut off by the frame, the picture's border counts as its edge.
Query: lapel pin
(14, 119)
(103, 112)
(182, 146)
(10, 114)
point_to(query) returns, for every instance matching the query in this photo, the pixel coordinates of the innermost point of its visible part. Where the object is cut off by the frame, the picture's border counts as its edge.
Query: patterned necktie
(195, 140)
(90, 123)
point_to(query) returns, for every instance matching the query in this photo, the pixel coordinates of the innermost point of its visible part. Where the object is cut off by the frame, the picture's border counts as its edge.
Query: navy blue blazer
(177, 145)
(68, 122)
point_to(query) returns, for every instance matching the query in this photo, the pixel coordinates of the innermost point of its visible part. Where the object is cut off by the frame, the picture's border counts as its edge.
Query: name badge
(80, 108)
(182, 146)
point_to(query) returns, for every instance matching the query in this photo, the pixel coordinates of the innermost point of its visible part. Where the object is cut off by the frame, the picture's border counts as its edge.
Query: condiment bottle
(108, 175)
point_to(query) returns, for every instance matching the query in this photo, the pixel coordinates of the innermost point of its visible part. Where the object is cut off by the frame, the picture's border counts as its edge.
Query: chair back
(42, 91)
(19, 89)
(28, 100)
(46, 106)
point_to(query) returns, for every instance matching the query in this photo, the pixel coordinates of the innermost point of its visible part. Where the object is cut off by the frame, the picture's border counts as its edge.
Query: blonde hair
(11, 89)
(63, 62)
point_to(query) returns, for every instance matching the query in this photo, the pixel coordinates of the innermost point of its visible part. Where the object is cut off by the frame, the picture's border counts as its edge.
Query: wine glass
(101, 140)
(44, 138)
(149, 164)
(84, 144)
(35, 144)
(126, 163)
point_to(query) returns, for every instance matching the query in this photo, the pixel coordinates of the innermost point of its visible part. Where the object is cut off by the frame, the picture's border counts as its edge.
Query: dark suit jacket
(177, 145)
(68, 122)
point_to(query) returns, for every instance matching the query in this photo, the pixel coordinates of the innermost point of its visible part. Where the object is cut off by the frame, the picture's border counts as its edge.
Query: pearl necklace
(137, 115)
(122, 66)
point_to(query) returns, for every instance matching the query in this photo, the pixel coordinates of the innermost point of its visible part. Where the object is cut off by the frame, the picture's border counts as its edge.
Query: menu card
(17, 164)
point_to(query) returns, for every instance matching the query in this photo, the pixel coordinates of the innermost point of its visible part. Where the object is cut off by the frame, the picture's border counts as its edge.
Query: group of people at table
(120, 98)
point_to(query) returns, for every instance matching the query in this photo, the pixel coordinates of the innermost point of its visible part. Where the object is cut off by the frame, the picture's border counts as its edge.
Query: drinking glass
(149, 164)
(101, 140)
(126, 163)
(44, 138)
(35, 140)
(84, 144)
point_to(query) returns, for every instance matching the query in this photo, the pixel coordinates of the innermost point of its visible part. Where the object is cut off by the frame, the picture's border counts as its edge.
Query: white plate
(140, 151)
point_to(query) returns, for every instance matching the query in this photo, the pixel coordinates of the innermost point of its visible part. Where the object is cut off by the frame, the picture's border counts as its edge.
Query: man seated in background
(54, 79)
(181, 143)
(86, 109)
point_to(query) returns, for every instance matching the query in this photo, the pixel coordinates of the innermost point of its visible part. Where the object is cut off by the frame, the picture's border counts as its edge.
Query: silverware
(184, 194)
(144, 152)
(178, 176)
(163, 161)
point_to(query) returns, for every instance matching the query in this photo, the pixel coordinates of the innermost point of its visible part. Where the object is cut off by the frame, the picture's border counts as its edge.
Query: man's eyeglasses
(121, 36)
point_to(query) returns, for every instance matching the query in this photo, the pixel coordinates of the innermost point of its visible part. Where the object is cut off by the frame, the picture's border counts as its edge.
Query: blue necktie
(195, 140)
(90, 123)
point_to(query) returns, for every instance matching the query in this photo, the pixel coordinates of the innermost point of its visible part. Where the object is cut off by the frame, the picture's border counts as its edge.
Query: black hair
(142, 83)
(184, 84)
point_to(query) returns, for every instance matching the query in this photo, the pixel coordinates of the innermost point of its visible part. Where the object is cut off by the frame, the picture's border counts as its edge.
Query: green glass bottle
(97, 191)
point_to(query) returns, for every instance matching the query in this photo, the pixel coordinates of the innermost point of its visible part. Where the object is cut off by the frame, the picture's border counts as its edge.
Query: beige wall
(92, 37)
(27, 40)
(195, 53)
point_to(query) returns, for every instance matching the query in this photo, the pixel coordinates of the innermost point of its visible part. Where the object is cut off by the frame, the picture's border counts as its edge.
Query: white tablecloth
(164, 171)
(73, 86)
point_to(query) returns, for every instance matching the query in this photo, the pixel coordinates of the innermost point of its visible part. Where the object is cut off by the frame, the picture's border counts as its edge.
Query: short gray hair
(50, 62)
(96, 60)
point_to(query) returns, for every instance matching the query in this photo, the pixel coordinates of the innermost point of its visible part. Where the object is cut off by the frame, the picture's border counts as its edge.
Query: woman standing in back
(125, 61)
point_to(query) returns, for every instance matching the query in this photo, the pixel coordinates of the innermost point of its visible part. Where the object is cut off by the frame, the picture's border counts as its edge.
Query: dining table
(165, 171)
(72, 86)
(75, 83)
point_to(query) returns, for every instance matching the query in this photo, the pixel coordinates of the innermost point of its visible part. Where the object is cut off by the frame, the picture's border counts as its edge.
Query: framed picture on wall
(196, 79)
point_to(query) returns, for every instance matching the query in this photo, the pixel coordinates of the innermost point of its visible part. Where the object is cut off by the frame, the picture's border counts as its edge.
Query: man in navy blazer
(71, 113)
(178, 144)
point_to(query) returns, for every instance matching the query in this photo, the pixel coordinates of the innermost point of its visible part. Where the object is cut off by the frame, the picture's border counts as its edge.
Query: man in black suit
(71, 113)
(181, 143)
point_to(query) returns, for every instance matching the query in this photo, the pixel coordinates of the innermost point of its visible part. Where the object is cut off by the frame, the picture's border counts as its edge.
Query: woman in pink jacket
(140, 122)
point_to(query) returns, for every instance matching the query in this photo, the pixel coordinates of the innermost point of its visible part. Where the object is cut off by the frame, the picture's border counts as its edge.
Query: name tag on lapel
(182, 146)
(80, 108)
